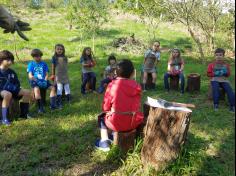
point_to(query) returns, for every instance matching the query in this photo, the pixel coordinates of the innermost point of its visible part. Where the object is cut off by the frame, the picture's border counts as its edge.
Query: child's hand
(52, 77)
(33, 78)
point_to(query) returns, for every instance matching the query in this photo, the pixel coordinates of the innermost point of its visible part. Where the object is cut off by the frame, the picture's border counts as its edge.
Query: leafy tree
(89, 15)
(153, 12)
(227, 25)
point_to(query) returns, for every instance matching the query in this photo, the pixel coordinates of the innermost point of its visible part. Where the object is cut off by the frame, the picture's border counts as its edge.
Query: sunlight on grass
(62, 142)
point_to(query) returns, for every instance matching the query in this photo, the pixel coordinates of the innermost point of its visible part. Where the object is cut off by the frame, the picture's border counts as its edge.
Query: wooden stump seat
(194, 82)
(174, 82)
(125, 140)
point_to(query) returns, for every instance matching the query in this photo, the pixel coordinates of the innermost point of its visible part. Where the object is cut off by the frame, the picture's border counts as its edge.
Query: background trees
(210, 23)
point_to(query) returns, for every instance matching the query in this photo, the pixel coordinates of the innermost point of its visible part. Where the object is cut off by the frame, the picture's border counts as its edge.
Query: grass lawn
(62, 142)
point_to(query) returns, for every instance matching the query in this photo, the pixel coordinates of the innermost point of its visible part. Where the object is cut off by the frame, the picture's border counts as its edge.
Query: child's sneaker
(103, 145)
(41, 111)
(216, 107)
(232, 109)
(6, 122)
(28, 116)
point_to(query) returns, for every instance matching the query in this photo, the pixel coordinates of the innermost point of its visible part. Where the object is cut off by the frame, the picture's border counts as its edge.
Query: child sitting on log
(88, 63)
(38, 76)
(175, 68)
(109, 73)
(10, 88)
(121, 105)
(152, 56)
(60, 73)
(219, 71)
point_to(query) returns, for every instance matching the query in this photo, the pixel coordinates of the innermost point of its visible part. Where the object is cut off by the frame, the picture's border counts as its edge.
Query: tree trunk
(137, 4)
(164, 133)
(94, 42)
(233, 40)
(199, 45)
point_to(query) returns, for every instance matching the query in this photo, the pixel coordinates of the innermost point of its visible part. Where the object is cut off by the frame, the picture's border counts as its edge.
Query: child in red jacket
(121, 105)
(219, 71)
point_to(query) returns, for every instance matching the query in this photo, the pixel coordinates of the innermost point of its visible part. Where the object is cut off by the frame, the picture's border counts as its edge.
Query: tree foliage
(88, 15)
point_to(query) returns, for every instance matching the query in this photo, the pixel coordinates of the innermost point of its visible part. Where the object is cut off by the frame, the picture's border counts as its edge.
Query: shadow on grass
(222, 163)
(191, 149)
(51, 147)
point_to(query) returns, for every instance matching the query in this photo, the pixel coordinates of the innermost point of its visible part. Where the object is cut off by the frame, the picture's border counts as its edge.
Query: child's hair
(220, 50)
(111, 57)
(36, 52)
(175, 49)
(62, 46)
(6, 55)
(157, 42)
(85, 56)
(125, 68)
(153, 42)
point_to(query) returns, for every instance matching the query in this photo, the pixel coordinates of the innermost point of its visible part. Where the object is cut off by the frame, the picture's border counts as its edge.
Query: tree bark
(194, 82)
(199, 45)
(165, 133)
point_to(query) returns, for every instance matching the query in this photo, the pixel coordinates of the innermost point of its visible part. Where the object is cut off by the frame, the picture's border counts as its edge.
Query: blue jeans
(227, 88)
(88, 77)
(103, 82)
(166, 81)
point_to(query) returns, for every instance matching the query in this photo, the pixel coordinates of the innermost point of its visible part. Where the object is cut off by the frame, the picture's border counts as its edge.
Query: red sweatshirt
(122, 102)
(215, 65)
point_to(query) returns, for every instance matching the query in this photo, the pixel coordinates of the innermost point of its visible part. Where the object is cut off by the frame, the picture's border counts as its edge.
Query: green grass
(62, 142)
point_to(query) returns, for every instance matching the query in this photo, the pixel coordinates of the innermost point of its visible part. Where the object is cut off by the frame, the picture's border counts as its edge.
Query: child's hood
(129, 87)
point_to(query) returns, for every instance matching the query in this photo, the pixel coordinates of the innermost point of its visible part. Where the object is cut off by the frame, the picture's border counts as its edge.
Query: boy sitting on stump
(219, 71)
(121, 105)
(10, 88)
(38, 76)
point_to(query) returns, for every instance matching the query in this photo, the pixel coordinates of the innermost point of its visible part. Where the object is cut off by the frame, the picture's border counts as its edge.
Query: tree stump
(14, 110)
(149, 80)
(222, 93)
(164, 132)
(194, 82)
(125, 140)
(174, 82)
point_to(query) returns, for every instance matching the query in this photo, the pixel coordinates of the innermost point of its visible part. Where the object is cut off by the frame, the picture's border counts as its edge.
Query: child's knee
(6, 95)
(37, 93)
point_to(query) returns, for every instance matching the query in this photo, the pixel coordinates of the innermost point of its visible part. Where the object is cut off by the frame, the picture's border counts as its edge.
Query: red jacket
(122, 98)
(211, 68)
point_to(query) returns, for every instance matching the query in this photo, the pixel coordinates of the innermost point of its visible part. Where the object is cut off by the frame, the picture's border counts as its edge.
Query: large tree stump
(125, 140)
(174, 82)
(14, 110)
(222, 93)
(164, 132)
(149, 80)
(194, 82)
